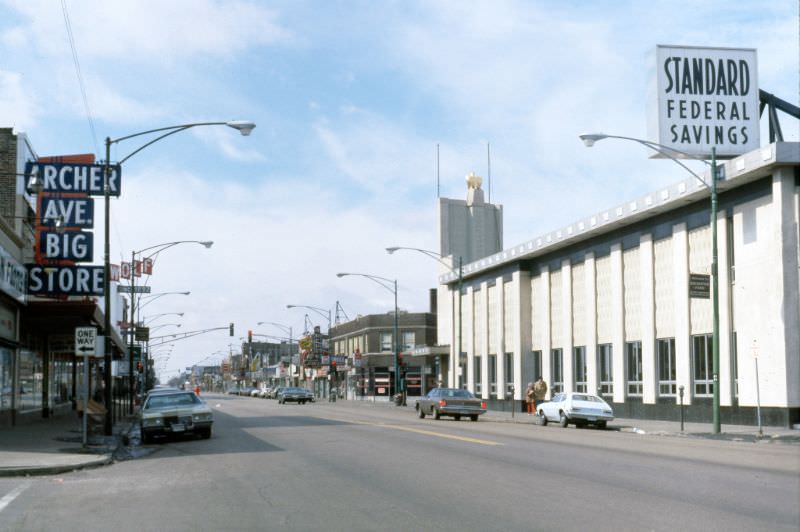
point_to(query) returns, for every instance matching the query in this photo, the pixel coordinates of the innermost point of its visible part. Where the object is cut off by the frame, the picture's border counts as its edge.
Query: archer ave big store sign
(66, 193)
(708, 97)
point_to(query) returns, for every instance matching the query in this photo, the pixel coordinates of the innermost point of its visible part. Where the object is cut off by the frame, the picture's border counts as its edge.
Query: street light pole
(440, 258)
(390, 285)
(244, 127)
(589, 140)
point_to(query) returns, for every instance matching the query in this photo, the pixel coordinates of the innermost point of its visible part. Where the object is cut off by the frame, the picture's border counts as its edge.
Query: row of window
(702, 369)
(407, 337)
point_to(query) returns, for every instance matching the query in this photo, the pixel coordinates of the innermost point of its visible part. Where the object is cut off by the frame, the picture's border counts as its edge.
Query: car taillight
(483, 405)
(442, 402)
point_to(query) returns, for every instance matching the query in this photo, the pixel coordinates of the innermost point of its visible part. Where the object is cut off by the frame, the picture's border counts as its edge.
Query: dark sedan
(453, 402)
(297, 395)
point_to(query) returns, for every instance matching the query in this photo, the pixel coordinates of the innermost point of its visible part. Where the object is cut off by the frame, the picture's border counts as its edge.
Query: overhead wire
(79, 74)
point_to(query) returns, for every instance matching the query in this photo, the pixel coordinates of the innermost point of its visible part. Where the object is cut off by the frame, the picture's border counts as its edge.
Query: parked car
(454, 402)
(233, 391)
(274, 391)
(178, 412)
(254, 392)
(297, 395)
(263, 392)
(580, 409)
(246, 391)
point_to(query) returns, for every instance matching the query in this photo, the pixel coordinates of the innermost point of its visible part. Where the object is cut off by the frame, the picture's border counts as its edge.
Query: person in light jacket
(539, 392)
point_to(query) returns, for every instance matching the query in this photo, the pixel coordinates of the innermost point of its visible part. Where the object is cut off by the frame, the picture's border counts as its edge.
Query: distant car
(254, 392)
(454, 402)
(178, 412)
(246, 391)
(262, 393)
(274, 391)
(580, 409)
(233, 391)
(297, 395)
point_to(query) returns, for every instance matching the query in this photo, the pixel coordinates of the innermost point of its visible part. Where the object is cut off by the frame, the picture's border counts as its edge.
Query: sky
(351, 100)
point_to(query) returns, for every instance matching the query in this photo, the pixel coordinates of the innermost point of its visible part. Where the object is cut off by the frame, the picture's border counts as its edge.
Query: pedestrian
(539, 393)
(197, 390)
(529, 399)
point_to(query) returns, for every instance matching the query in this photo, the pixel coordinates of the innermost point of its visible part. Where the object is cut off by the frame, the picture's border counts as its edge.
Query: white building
(604, 304)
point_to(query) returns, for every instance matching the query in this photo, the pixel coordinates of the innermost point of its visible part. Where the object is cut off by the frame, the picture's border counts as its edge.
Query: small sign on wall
(699, 286)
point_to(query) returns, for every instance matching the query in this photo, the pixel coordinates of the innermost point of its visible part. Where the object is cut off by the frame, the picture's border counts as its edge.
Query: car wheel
(458, 418)
(544, 418)
(563, 420)
(436, 414)
(601, 424)
(473, 417)
(205, 433)
(420, 413)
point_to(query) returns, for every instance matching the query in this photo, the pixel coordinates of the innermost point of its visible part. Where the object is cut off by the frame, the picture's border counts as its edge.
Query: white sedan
(580, 409)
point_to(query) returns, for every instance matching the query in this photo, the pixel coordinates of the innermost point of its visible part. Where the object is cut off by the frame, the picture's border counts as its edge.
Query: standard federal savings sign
(708, 97)
(83, 178)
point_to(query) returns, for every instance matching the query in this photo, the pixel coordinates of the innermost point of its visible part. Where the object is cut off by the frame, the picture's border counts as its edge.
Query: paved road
(348, 466)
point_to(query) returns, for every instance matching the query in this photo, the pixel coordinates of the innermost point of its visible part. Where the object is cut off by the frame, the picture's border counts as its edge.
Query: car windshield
(175, 399)
(455, 392)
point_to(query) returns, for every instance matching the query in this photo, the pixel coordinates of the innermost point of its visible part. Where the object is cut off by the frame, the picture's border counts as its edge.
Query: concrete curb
(30, 471)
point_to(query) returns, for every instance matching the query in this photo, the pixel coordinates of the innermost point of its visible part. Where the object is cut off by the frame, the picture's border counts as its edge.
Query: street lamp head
(590, 138)
(392, 249)
(245, 127)
(184, 293)
(208, 243)
(341, 274)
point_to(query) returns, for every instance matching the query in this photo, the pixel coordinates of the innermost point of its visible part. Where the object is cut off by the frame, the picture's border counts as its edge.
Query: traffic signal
(139, 367)
(333, 366)
(231, 329)
(250, 336)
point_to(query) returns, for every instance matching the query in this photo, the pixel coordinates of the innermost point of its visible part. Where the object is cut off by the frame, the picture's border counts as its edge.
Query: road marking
(423, 431)
(13, 494)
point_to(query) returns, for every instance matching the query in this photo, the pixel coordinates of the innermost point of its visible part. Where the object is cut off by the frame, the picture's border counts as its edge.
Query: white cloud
(150, 30)
(17, 107)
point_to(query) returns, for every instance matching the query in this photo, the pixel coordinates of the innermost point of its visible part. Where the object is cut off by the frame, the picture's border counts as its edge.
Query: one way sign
(85, 339)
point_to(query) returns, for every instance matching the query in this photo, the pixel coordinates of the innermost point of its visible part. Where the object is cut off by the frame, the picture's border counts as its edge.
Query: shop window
(477, 373)
(509, 371)
(667, 385)
(702, 352)
(634, 370)
(557, 368)
(6, 378)
(605, 364)
(493, 376)
(579, 365)
(409, 341)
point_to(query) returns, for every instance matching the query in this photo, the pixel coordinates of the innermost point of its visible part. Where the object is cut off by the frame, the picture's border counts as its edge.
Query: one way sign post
(85, 339)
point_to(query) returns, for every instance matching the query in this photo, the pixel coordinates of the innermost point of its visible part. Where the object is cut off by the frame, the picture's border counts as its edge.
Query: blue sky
(351, 99)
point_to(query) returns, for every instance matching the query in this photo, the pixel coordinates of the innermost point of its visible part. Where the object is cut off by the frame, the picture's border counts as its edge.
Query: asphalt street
(352, 466)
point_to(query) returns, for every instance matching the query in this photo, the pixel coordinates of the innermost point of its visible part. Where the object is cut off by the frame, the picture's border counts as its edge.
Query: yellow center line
(422, 431)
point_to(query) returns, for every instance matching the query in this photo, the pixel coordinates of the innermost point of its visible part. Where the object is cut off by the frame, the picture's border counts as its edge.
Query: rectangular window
(605, 365)
(409, 339)
(537, 366)
(735, 364)
(557, 367)
(386, 342)
(702, 352)
(634, 369)
(509, 371)
(493, 376)
(579, 361)
(667, 385)
(6, 381)
(477, 372)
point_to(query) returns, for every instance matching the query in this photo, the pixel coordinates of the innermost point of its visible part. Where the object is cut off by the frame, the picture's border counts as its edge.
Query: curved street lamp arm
(432, 254)
(590, 139)
(284, 328)
(167, 245)
(388, 284)
(321, 311)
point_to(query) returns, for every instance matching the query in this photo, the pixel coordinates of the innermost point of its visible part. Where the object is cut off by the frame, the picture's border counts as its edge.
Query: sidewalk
(644, 427)
(54, 445)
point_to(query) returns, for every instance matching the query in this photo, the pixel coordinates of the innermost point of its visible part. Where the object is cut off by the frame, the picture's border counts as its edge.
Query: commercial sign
(84, 178)
(65, 280)
(127, 289)
(77, 212)
(13, 276)
(699, 286)
(75, 246)
(708, 97)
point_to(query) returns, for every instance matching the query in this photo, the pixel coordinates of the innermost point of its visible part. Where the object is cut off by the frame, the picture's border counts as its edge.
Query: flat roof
(735, 172)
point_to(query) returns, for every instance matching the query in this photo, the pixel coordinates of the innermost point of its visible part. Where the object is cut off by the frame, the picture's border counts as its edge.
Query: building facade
(603, 305)
(366, 345)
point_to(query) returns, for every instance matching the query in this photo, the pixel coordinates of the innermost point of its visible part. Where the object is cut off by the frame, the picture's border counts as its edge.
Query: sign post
(85, 339)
